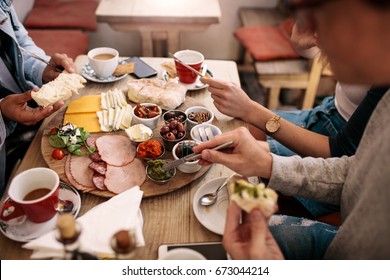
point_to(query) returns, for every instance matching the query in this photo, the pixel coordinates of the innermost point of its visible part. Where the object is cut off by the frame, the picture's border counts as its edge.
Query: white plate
(212, 217)
(192, 86)
(29, 231)
(88, 73)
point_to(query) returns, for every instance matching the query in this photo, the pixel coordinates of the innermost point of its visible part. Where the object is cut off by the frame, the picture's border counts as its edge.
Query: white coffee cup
(183, 254)
(103, 61)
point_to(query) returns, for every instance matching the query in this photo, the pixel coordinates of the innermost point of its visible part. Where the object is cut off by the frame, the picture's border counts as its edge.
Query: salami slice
(99, 167)
(116, 150)
(120, 179)
(95, 156)
(91, 141)
(98, 181)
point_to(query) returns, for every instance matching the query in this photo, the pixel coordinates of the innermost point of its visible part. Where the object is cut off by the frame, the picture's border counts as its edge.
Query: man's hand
(251, 239)
(14, 107)
(246, 155)
(62, 61)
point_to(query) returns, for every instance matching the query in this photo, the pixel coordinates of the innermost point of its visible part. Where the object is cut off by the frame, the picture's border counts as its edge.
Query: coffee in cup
(191, 58)
(33, 195)
(103, 61)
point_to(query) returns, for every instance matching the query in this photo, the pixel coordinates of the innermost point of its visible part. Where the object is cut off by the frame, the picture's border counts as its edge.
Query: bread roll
(167, 95)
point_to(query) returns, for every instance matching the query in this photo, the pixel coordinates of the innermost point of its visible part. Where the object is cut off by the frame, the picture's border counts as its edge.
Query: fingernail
(256, 214)
(49, 109)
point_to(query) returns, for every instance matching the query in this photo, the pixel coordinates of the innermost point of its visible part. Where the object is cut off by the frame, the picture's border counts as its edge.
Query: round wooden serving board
(149, 187)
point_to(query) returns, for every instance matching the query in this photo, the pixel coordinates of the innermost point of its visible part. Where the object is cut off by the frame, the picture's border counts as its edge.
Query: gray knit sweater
(359, 184)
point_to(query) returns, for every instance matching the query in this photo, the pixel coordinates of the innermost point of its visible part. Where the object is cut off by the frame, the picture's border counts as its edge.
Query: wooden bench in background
(62, 25)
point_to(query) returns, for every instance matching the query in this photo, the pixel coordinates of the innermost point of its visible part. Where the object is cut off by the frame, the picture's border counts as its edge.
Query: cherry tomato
(58, 154)
(53, 131)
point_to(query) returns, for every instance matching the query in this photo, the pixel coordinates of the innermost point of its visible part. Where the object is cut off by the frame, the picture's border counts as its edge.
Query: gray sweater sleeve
(315, 178)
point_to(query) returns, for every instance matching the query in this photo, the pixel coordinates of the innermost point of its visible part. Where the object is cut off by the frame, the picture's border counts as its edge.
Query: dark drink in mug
(33, 195)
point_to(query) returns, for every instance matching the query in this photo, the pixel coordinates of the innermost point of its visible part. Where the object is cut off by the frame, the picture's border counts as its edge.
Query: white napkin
(98, 226)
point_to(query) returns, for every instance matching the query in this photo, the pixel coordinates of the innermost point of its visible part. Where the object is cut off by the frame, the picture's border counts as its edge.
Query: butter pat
(139, 132)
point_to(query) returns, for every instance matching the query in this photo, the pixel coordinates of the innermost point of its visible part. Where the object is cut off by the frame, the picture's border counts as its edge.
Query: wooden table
(159, 20)
(168, 218)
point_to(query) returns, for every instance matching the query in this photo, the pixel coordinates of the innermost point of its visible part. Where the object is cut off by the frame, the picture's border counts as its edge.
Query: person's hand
(251, 239)
(14, 107)
(229, 98)
(304, 41)
(246, 156)
(62, 61)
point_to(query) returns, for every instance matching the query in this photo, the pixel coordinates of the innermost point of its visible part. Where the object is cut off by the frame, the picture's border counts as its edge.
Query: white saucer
(88, 73)
(212, 217)
(192, 86)
(29, 231)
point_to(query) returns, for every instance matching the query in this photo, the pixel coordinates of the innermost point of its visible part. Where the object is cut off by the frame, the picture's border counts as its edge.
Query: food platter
(149, 187)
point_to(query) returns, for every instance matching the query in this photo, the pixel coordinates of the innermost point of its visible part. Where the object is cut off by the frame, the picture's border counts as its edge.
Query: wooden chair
(266, 39)
(290, 74)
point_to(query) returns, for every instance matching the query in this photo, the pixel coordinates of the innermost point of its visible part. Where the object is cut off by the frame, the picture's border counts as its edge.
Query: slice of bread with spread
(59, 89)
(249, 196)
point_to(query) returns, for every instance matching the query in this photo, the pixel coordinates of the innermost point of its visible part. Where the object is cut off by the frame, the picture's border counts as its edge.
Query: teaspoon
(210, 198)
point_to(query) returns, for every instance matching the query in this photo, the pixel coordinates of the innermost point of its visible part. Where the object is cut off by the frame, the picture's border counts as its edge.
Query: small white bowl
(204, 136)
(197, 109)
(129, 131)
(160, 181)
(187, 167)
(149, 122)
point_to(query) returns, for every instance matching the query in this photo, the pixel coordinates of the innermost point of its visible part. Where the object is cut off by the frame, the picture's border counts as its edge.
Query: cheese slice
(87, 120)
(100, 116)
(84, 104)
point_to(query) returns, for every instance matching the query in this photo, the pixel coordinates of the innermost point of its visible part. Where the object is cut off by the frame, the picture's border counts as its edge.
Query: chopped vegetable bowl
(71, 138)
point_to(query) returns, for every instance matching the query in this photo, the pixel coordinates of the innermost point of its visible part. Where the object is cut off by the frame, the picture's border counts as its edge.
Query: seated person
(359, 183)
(20, 73)
(332, 129)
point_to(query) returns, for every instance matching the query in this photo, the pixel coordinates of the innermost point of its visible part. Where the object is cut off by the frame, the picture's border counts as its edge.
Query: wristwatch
(273, 124)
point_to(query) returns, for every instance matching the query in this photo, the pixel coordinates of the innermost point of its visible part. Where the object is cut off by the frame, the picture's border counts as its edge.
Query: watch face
(272, 126)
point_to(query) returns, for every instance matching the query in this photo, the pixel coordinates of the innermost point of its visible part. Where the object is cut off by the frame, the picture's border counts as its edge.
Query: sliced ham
(120, 179)
(115, 150)
(78, 172)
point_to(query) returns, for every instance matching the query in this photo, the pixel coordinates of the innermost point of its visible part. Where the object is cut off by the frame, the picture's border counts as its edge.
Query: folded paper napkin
(98, 226)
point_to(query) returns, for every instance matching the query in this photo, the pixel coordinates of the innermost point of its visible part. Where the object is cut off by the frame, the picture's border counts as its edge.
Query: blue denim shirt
(29, 70)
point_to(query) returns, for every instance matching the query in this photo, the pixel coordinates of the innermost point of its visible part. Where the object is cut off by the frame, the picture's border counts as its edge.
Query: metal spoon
(210, 198)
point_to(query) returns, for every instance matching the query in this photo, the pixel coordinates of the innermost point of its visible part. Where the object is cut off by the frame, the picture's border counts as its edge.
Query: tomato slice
(58, 154)
(53, 131)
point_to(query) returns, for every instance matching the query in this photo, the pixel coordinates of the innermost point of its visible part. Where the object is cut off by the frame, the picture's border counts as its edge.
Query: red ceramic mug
(33, 195)
(191, 58)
